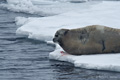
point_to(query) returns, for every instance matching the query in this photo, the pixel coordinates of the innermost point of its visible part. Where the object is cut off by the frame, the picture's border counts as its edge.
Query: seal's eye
(56, 35)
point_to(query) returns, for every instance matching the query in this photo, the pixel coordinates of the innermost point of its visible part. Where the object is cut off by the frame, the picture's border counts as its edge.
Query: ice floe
(104, 13)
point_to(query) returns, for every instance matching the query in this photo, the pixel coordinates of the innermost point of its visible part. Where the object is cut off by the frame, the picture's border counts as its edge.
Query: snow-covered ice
(109, 62)
(40, 7)
(47, 26)
(101, 13)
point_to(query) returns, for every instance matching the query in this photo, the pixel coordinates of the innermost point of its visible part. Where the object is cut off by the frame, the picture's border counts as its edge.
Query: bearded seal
(93, 39)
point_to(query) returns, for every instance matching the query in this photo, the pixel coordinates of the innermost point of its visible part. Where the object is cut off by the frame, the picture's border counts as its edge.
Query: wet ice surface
(26, 59)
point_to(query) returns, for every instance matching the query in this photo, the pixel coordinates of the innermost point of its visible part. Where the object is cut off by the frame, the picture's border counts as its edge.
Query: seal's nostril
(53, 39)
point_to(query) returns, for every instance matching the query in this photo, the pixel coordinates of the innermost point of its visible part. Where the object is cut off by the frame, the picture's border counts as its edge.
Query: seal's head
(59, 35)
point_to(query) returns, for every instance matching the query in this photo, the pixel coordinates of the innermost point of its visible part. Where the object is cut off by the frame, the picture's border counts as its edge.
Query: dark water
(26, 59)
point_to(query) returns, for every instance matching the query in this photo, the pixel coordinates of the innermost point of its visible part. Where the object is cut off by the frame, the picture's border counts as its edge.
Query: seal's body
(94, 39)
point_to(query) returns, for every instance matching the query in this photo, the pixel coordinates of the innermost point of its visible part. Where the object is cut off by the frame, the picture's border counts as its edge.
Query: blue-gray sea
(26, 59)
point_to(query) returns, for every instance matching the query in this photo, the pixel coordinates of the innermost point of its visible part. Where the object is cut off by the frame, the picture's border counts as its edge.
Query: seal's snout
(55, 40)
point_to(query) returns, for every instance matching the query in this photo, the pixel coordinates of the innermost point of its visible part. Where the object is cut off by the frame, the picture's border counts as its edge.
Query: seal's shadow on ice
(93, 39)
